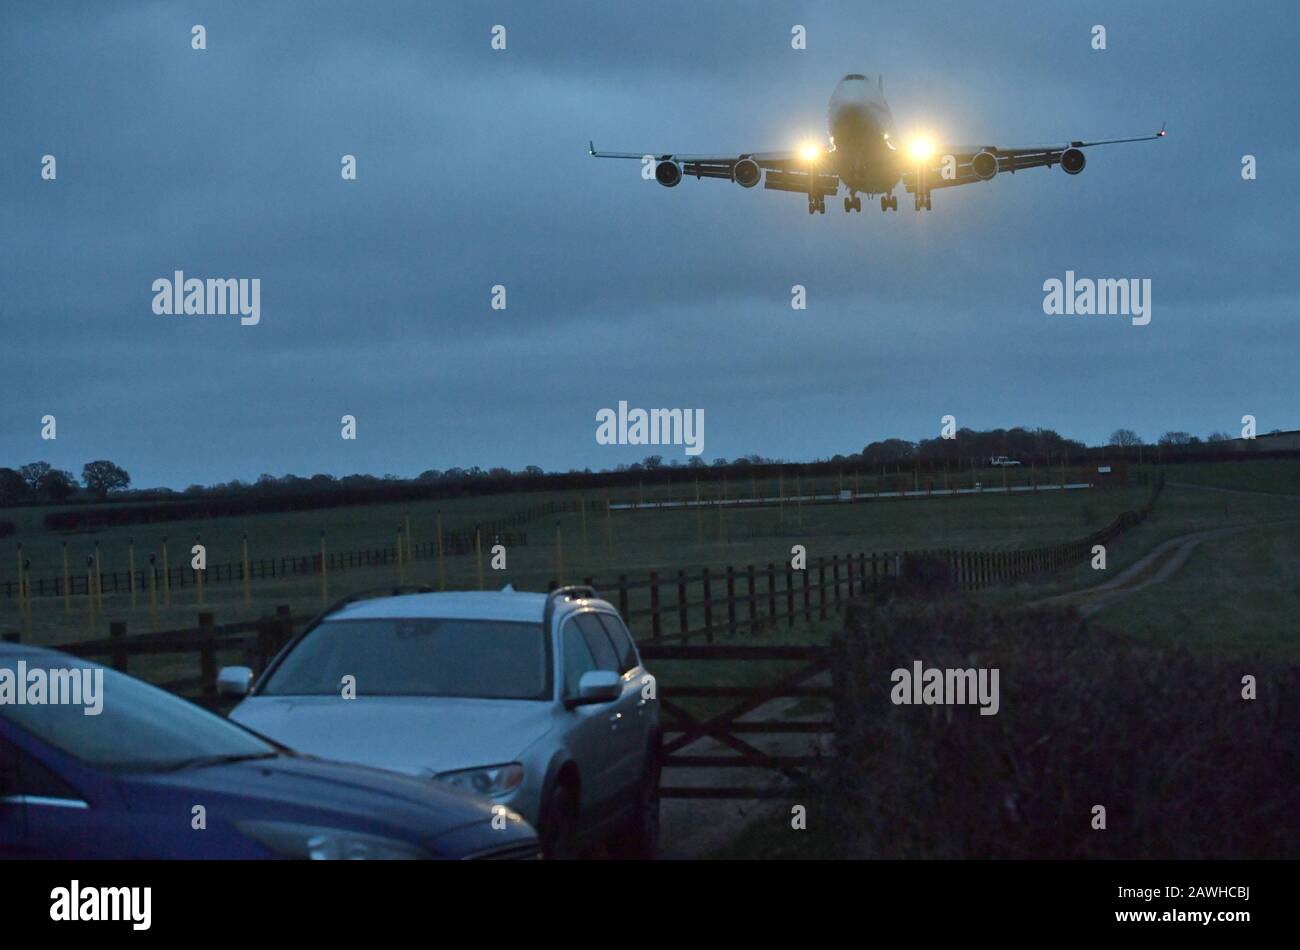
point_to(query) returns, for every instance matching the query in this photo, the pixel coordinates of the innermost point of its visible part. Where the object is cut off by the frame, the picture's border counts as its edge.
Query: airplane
(864, 155)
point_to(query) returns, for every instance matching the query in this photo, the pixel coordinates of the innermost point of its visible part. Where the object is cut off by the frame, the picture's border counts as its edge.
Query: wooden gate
(682, 727)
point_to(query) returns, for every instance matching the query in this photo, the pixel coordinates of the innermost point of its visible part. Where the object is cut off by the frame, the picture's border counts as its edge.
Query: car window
(627, 659)
(598, 642)
(388, 656)
(138, 728)
(577, 657)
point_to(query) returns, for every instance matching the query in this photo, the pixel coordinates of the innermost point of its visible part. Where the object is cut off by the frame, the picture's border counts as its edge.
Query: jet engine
(746, 173)
(668, 174)
(984, 165)
(1072, 161)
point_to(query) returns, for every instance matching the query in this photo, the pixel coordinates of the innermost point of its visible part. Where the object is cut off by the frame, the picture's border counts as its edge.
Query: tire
(638, 839)
(561, 824)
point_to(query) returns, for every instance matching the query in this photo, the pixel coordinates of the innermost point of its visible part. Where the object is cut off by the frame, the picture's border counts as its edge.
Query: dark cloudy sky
(473, 171)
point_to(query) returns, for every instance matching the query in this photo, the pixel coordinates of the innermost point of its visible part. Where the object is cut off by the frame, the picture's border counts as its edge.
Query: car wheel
(638, 839)
(558, 835)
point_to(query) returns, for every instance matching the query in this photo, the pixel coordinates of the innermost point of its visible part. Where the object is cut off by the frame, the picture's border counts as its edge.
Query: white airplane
(864, 154)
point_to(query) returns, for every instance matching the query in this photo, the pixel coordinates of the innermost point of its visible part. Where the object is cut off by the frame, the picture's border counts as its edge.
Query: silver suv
(536, 701)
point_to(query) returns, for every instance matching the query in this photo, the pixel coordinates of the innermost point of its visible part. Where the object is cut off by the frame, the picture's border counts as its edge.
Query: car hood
(303, 789)
(413, 734)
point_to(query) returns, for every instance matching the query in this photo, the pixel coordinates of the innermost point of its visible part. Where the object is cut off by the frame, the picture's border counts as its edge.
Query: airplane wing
(972, 163)
(786, 170)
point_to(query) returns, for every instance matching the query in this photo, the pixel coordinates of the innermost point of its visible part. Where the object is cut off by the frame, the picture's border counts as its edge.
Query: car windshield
(134, 727)
(486, 659)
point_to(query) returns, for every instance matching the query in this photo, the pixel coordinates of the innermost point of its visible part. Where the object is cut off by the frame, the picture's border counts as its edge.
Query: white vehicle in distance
(536, 701)
(1001, 461)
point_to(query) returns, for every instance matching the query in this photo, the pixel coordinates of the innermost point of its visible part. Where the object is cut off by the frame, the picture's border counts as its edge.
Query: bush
(921, 576)
(1183, 765)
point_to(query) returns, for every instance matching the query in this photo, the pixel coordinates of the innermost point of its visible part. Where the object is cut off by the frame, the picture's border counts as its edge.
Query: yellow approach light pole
(401, 564)
(442, 577)
(153, 593)
(166, 577)
(198, 574)
(248, 594)
(67, 593)
(478, 554)
(559, 556)
(130, 568)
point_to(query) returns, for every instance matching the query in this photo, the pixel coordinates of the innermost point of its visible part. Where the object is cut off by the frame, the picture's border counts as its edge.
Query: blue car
(96, 764)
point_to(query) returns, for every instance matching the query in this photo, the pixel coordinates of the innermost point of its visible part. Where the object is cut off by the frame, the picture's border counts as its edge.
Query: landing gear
(853, 204)
(888, 202)
(817, 203)
(922, 202)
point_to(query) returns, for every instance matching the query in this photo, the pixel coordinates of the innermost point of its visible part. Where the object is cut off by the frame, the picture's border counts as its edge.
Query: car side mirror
(234, 681)
(597, 686)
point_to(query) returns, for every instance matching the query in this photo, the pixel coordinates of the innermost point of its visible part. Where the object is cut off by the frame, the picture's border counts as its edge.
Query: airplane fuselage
(861, 129)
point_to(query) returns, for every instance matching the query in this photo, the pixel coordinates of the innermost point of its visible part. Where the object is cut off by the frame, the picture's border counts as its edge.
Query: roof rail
(569, 592)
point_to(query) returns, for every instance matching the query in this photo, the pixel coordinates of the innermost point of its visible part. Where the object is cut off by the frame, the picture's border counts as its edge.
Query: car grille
(527, 851)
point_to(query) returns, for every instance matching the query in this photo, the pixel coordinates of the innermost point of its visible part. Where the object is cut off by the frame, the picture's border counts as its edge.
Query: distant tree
(13, 487)
(321, 480)
(194, 490)
(102, 477)
(500, 473)
(1218, 437)
(533, 471)
(1176, 438)
(429, 475)
(696, 462)
(33, 472)
(719, 462)
(1125, 438)
(56, 485)
(652, 462)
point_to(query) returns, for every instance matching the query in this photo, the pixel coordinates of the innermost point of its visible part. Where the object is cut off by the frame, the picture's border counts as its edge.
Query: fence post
(807, 594)
(771, 593)
(655, 630)
(821, 586)
(708, 607)
(285, 622)
(835, 575)
(207, 656)
(753, 600)
(731, 601)
(682, 622)
(117, 630)
(789, 594)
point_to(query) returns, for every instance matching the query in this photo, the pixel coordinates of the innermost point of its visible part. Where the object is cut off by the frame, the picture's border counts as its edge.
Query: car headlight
(318, 843)
(491, 780)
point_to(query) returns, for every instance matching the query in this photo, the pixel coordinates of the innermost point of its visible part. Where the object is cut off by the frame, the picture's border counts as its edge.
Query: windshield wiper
(199, 761)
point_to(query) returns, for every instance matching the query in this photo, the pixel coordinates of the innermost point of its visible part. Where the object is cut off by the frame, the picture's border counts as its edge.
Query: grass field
(624, 542)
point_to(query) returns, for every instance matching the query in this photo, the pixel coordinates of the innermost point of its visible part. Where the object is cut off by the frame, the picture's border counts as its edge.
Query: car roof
(517, 606)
